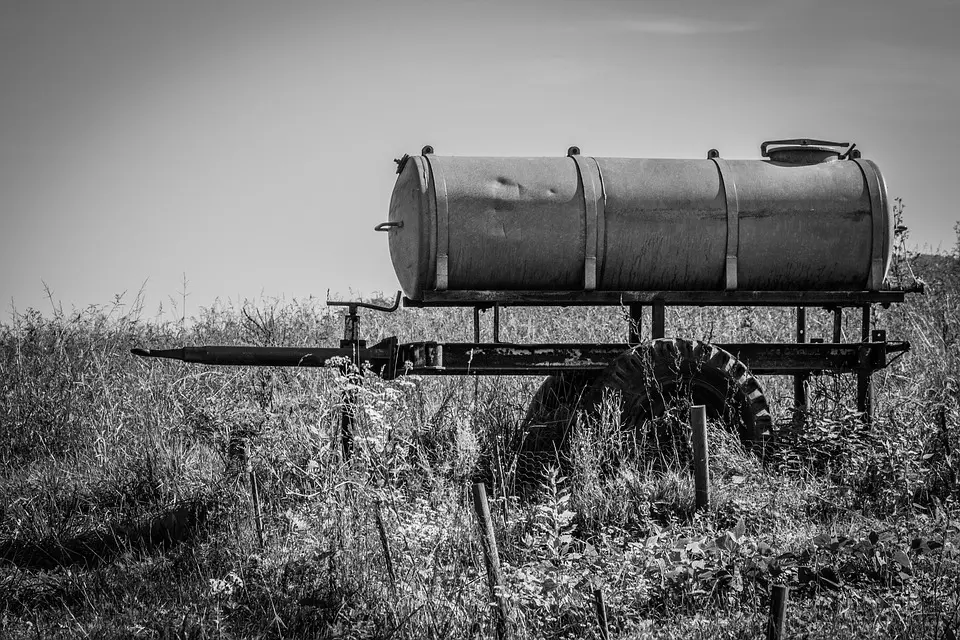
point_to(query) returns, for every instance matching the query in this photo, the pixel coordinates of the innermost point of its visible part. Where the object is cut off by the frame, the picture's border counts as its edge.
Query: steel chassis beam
(787, 358)
(390, 359)
(668, 298)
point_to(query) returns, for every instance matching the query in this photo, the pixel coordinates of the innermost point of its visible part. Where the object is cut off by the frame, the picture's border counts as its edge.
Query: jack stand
(353, 370)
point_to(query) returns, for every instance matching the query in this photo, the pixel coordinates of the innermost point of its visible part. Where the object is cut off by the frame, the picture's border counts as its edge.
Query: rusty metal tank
(810, 216)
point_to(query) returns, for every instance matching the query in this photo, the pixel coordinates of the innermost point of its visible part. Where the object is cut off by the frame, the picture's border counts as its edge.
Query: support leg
(657, 328)
(636, 323)
(799, 380)
(352, 372)
(865, 372)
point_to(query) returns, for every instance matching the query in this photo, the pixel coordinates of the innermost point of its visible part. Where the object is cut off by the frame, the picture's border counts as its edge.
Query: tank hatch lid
(803, 151)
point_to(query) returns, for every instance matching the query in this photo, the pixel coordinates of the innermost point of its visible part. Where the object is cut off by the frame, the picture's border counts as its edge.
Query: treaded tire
(650, 377)
(552, 413)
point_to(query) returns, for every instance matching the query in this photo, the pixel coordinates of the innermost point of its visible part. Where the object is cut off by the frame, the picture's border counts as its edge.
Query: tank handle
(803, 142)
(386, 226)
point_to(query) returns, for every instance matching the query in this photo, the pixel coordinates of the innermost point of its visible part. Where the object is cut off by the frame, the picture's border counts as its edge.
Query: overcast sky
(249, 145)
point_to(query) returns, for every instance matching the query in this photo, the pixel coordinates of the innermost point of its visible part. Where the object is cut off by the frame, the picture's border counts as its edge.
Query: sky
(246, 148)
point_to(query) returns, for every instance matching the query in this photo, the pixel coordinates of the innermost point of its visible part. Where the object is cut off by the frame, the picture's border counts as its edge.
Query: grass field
(127, 512)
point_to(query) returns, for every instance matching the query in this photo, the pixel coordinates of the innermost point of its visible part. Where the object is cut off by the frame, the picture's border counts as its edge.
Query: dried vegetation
(126, 509)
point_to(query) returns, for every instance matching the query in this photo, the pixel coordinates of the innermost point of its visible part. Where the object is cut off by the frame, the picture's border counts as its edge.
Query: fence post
(254, 493)
(601, 614)
(491, 558)
(701, 455)
(386, 548)
(776, 623)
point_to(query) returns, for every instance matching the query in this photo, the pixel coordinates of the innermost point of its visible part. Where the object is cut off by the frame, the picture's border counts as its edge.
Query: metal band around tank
(593, 210)
(733, 222)
(443, 220)
(601, 224)
(878, 207)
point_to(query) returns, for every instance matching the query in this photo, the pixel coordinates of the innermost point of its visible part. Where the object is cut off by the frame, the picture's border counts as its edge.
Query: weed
(126, 509)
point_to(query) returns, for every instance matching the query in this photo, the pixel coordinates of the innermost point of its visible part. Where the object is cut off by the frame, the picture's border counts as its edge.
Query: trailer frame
(389, 358)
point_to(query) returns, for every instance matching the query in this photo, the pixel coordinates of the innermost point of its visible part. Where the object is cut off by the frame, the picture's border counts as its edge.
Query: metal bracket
(496, 321)
(426, 355)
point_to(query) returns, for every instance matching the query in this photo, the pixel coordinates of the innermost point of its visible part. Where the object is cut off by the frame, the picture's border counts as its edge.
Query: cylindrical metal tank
(806, 218)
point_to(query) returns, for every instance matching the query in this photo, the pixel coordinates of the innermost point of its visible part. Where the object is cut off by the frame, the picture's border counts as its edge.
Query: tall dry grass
(126, 508)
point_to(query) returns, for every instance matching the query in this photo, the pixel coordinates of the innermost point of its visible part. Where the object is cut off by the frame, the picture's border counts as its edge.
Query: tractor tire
(651, 379)
(668, 372)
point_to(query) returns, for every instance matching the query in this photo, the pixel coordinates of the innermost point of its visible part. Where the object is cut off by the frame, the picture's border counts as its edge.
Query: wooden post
(386, 548)
(254, 494)
(701, 455)
(491, 558)
(776, 623)
(601, 614)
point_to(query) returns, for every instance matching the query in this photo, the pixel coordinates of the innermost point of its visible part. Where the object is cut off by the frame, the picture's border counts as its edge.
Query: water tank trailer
(807, 225)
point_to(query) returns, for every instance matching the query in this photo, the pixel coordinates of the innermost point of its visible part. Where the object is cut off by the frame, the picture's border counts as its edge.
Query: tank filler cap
(802, 151)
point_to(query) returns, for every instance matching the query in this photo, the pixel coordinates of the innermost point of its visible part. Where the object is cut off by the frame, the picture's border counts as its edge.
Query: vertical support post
(701, 455)
(658, 320)
(496, 322)
(476, 324)
(776, 623)
(636, 323)
(865, 370)
(348, 398)
(799, 380)
(491, 558)
(837, 324)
